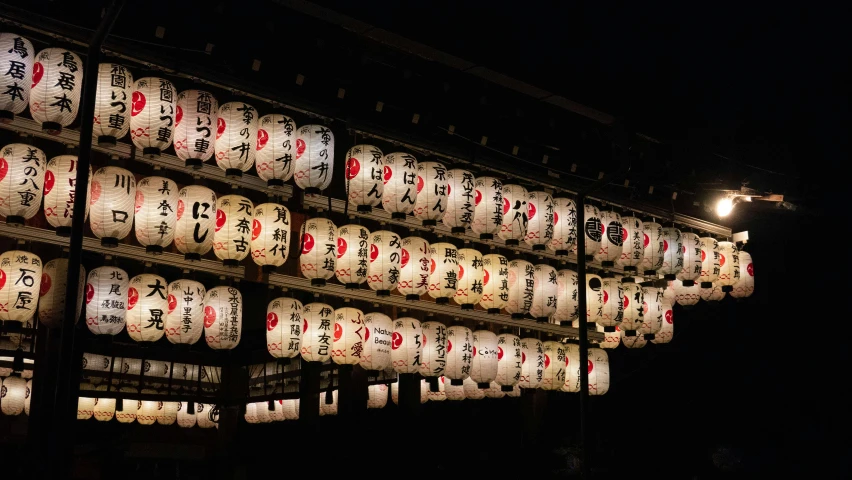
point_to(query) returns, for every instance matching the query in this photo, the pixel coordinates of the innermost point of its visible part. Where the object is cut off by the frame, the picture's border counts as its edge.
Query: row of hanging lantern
(15, 393)
(260, 412)
(147, 412)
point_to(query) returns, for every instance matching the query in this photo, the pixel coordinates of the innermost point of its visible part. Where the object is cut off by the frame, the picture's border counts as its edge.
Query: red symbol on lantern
(523, 357)
(255, 229)
(4, 168)
(366, 334)
(669, 316)
(546, 360)
(262, 138)
(271, 321)
(665, 245)
(606, 297)
(172, 303)
(626, 302)
(180, 208)
(474, 350)
(644, 307)
(338, 331)
(45, 284)
(352, 168)
(386, 174)
(90, 290)
(449, 346)
(49, 177)
(304, 326)
(96, 192)
(341, 247)
(140, 199)
(209, 316)
(646, 240)
(38, 72)
(750, 270)
(703, 255)
(721, 260)
(555, 218)
(499, 353)
(485, 277)
(307, 243)
(419, 183)
(432, 268)
(477, 197)
(530, 210)
(300, 147)
(461, 272)
(396, 340)
(591, 366)
(623, 235)
(684, 249)
(137, 102)
(374, 252)
(132, 298)
(405, 257)
(178, 115)
(220, 127)
(220, 219)
(505, 206)
(448, 189)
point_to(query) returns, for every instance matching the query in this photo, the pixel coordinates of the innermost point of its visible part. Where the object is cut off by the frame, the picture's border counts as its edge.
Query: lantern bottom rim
(312, 191)
(542, 319)
(650, 336)
(628, 280)
(517, 316)
(318, 282)
(15, 220)
(63, 231)
(383, 293)
(483, 385)
(110, 242)
(630, 333)
(442, 300)
(456, 382)
(590, 258)
(561, 253)
(268, 268)
(566, 323)
(650, 272)
(728, 288)
(706, 285)
(430, 223)
(106, 141)
(155, 249)
(351, 286)
(512, 243)
(398, 216)
(193, 163)
(458, 230)
(688, 283)
(7, 116)
(538, 247)
(609, 329)
(670, 276)
(275, 182)
(467, 306)
(52, 128)
(364, 209)
(230, 262)
(629, 268)
(486, 236)
(151, 152)
(493, 311)
(607, 264)
(192, 256)
(233, 173)
(507, 388)
(412, 296)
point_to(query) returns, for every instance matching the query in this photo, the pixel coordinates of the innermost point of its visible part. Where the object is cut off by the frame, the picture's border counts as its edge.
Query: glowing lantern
(283, 327)
(114, 95)
(400, 184)
(532, 363)
(612, 239)
(147, 304)
(156, 213)
(632, 248)
(85, 405)
(385, 260)
(148, 409)
(196, 120)
(459, 353)
(633, 341)
(127, 410)
(57, 80)
(472, 391)
(59, 181)
(515, 392)
(572, 368)
(598, 365)
(126, 370)
(378, 339)
(349, 333)
(667, 329)
(593, 229)
(319, 245)
(540, 220)
(684, 295)
(206, 415)
(691, 259)
(167, 412)
(185, 419)
(713, 294)
(672, 253)
(564, 238)
(51, 305)
(104, 410)
(13, 393)
(262, 412)
(545, 292)
(223, 317)
(612, 312)
(555, 361)
(364, 177)
(276, 145)
(594, 298)
(483, 364)
(488, 211)
(314, 158)
(22, 177)
(406, 345)
(434, 349)
(270, 236)
(112, 198)
(317, 331)
(352, 250)
(432, 190)
(514, 227)
(452, 391)
(291, 409)
(745, 286)
(710, 258)
(444, 272)
(414, 268)
(236, 138)
(521, 288)
(495, 391)
(377, 396)
(16, 58)
(196, 213)
(652, 308)
(729, 266)
(460, 200)
(152, 115)
(20, 285)
(97, 363)
(567, 294)
(495, 282)
(633, 306)
(231, 239)
(470, 279)
(652, 258)
(185, 317)
(611, 339)
(328, 408)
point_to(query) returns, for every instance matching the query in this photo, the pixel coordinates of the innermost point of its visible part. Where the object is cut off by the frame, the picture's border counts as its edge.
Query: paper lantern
(314, 158)
(113, 104)
(328, 408)
(567, 296)
(126, 371)
(611, 339)
(223, 317)
(104, 410)
(167, 412)
(564, 239)
(540, 220)
(85, 405)
(667, 330)
(283, 327)
(385, 260)
(483, 363)
(270, 236)
(148, 409)
(364, 177)
(236, 138)
(414, 268)
(378, 338)
(22, 172)
(460, 200)
(514, 226)
(494, 391)
(452, 391)
(291, 409)
(598, 365)
(572, 370)
(633, 306)
(185, 316)
(127, 409)
(710, 258)
(147, 304)
(532, 363)
(633, 341)
(57, 80)
(444, 272)
(632, 248)
(13, 392)
(96, 363)
(185, 419)
(521, 288)
(612, 238)
(652, 258)
(691, 270)
(612, 310)
(60, 179)
(196, 123)
(744, 287)
(156, 213)
(152, 115)
(206, 415)
(672, 253)
(686, 295)
(276, 145)
(433, 189)
(20, 285)
(349, 333)
(593, 229)
(495, 282)
(472, 391)
(377, 396)
(729, 266)
(262, 412)
(319, 246)
(459, 353)
(652, 312)
(317, 331)
(515, 392)
(400, 184)
(16, 60)
(594, 298)
(470, 279)
(488, 209)
(406, 345)
(433, 358)
(545, 292)
(232, 235)
(157, 370)
(196, 213)
(112, 199)
(555, 356)
(713, 294)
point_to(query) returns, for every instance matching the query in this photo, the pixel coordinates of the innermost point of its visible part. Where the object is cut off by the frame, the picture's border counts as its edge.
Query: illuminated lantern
(564, 238)
(291, 409)
(319, 247)
(85, 405)
(612, 313)
(364, 177)
(196, 214)
(97, 363)
(328, 408)
(348, 336)
(444, 272)
(495, 391)
(104, 410)
(283, 327)
(652, 312)
(598, 365)
(51, 304)
(691, 270)
(460, 200)
(22, 176)
(385, 260)
(262, 412)
(684, 295)
(276, 147)
(515, 392)
(710, 258)
(633, 247)
(545, 292)
(424, 391)
(206, 415)
(185, 419)
(232, 236)
(377, 396)
(667, 329)
(652, 258)
(270, 236)
(236, 138)
(20, 285)
(314, 158)
(414, 268)
(712, 294)
(114, 96)
(633, 341)
(400, 184)
(156, 213)
(147, 304)
(57, 80)
(59, 181)
(729, 266)
(16, 58)
(633, 306)
(148, 409)
(593, 229)
(112, 198)
(167, 413)
(594, 298)
(223, 317)
(567, 296)
(317, 331)
(470, 278)
(127, 410)
(451, 391)
(406, 345)
(572, 370)
(13, 393)
(521, 288)
(483, 364)
(672, 253)
(488, 209)
(540, 220)
(495, 282)
(532, 363)
(434, 349)
(185, 317)
(611, 339)
(433, 185)
(472, 390)
(126, 370)
(459, 353)
(745, 286)
(555, 356)
(196, 123)
(612, 239)
(514, 227)
(152, 115)
(378, 338)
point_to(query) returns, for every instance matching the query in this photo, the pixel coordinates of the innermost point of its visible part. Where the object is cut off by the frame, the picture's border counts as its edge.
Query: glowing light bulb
(724, 206)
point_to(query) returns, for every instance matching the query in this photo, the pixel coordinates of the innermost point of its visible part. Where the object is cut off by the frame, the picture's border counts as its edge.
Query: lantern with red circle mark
(13, 394)
(206, 415)
(51, 303)
(185, 317)
(567, 288)
(415, 264)
(147, 304)
(236, 138)
(317, 332)
(434, 349)
(196, 221)
(16, 58)
(156, 213)
(59, 181)
(598, 365)
(555, 356)
(564, 239)
(223, 318)
(459, 353)
(400, 180)
(406, 345)
(433, 190)
(22, 172)
(667, 329)
(593, 229)
(364, 175)
(672, 253)
(283, 327)
(540, 220)
(469, 285)
(377, 396)
(147, 411)
(612, 310)
(314, 165)
(472, 390)
(378, 341)
(488, 209)
(572, 370)
(729, 266)
(514, 226)
(633, 307)
(744, 287)
(532, 363)
(185, 419)
(57, 81)
(152, 115)
(495, 282)
(612, 238)
(633, 247)
(276, 149)
(233, 232)
(85, 405)
(112, 198)
(319, 250)
(112, 104)
(594, 298)
(348, 336)
(167, 413)
(483, 363)
(686, 295)
(710, 262)
(460, 200)
(521, 288)
(652, 312)
(196, 124)
(20, 285)
(444, 271)
(385, 260)
(652, 257)
(270, 236)
(545, 292)
(691, 270)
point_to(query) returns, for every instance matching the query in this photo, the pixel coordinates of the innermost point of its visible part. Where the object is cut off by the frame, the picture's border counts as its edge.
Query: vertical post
(584, 337)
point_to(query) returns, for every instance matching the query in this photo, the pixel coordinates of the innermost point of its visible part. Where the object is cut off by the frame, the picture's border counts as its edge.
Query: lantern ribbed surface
(57, 81)
(514, 226)
(385, 261)
(652, 257)
(152, 115)
(16, 61)
(378, 340)
(539, 220)
(236, 138)
(363, 177)
(406, 345)
(20, 285)
(469, 286)
(223, 317)
(196, 221)
(276, 149)
(564, 239)
(495, 282)
(283, 327)
(545, 292)
(400, 180)
(232, 235)
(22, 175)
(196, 121)
(744, 287)
(156, 212)
(113, 103)
(147, 304)
(349, 332)
(567, 296)
(60, 179)
(521, 287)
(106, 300)
(112, 198)
(317, 332)
(314, 167)
(433, 360)
(319, 250)
(185, 317)
(532, 363)
(433, 185)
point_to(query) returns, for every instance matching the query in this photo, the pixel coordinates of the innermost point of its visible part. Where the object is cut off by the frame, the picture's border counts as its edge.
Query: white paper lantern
(147, 304)
(400, 184)
(433, 360)
(319, 246)
(206, 415)
(60, 179)
(672, 253)
(104, 410)
(444, 272)
(472, 391)
(157, 370)
(196, 214)
(564, 239)
(232, 236)
(185, 419)
(406, 345)
(729, 266)
(636, 340)
(96, 363)
(20, 285)
(152, 115)
(744, 287)
(433, 185)
(710, 258)
(113, 103)
(652, 312)
(545, 292)
(459, 353)
(514, 227)
(196, 123)
(283, 327)
(262, 412)
(469, 286)
(385, 261)
(156, 213)
(712, 294)
(424, 391)
(532, 363)
(185, 317)
(452, 391)
(270, 236)
(22, 171)
(328, 408)
(460, 200)
(127, 409)
(686, 295)
(540, 220)
(611, 339)
(364, 177)
(612, 310)
(598, 365)
(612, 238)
(353, 248)
(13, 392)
(236, 138)
(488, 210)
(572, 368)
(55, 94)
(483, 364)
(633, 246)
(16, 61)
(669, 292)
(594, 298)
(167, 412)
(692, 263)
(378, 337)
(667, 330)
(126, 371)
(291, 409)
(349, 333)
(377, 396)
(633, 306)
(317, 331)
(521, 288)
(223, 317)
(314, 158)
(567, 296)
(112, 198)
(652, 257)
(276, 146)
(495, 282)
(148, 409)
(28, 397)
(414, 268)
(85, 405)
(495, 391)
(555, 361)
